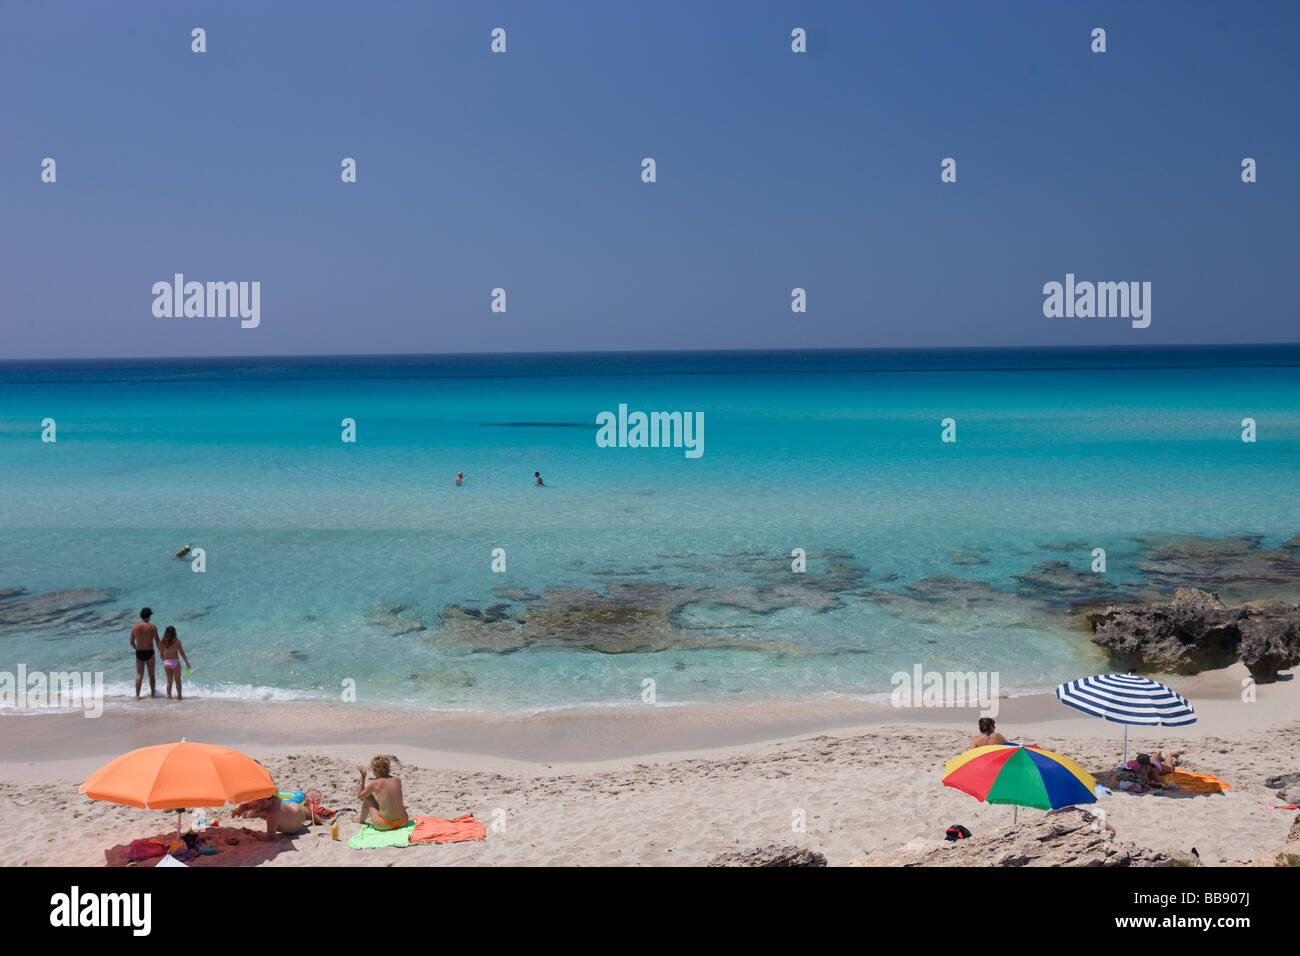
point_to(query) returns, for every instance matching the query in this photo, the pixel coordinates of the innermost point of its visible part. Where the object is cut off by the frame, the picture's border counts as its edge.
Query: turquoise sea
(309, 541)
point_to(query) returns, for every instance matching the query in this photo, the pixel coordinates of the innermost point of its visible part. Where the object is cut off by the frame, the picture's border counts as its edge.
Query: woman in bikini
(172, 652)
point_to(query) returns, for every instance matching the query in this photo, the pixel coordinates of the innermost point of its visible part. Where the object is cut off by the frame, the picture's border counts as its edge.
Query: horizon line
(651, 352)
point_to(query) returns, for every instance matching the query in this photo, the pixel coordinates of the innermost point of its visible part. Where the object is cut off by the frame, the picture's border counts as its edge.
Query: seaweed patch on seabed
(639, 616)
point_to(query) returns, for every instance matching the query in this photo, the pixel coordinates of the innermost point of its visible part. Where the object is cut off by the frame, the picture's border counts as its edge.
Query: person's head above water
(379, 766)
(146, 613)
(986, 725)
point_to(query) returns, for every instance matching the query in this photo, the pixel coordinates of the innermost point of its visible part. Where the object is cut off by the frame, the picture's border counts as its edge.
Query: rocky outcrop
(1196, 631)
(1288, 854)
(1064, 838)
(1287, 788)
(770, 856)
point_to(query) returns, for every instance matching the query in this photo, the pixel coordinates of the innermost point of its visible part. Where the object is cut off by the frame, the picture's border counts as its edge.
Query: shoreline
(667, 786)
(585, 735)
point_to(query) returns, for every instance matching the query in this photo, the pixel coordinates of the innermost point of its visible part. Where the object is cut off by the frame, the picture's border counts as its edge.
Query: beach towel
(1196, 782)
(369, 838)
(448, 831)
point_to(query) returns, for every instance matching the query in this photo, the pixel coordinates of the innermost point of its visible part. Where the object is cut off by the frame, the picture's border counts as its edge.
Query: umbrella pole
(1014, 811)
(1126, 743)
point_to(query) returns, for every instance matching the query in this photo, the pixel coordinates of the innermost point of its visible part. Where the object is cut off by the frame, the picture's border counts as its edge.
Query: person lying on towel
(381, 799)
(282, 816)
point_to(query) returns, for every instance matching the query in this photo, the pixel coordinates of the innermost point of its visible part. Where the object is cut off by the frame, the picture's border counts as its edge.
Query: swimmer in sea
(459, 476)
(538, 476)
(183, 551)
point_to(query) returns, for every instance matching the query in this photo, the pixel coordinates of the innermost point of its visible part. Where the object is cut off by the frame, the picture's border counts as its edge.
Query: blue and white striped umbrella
(1127, 699)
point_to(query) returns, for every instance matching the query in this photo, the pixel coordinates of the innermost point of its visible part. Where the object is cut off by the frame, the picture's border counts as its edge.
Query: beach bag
(956, 832)
(1129, 775)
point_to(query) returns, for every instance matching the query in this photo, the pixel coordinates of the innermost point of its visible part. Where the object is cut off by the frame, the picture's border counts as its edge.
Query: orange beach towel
(447, 831)
(1196, 782)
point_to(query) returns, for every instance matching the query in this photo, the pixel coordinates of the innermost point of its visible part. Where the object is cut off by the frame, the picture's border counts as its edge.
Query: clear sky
(522, 170)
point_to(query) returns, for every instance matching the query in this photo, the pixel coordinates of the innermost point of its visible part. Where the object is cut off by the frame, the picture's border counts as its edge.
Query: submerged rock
(390, 618)
(1237, 566)
(74, 608)
(633, 617)
(1056, 582)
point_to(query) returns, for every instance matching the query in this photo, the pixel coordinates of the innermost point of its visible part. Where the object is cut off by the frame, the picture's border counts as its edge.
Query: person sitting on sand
(383, 795)
(143, 638)
(172, 651)
(282, 816)
(987, 735)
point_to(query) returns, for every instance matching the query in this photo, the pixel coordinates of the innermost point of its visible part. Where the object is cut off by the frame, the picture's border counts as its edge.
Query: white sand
(661, 786)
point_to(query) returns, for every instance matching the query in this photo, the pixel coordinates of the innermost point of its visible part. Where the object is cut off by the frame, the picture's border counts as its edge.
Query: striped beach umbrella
(1021, 776)
(1127, 699)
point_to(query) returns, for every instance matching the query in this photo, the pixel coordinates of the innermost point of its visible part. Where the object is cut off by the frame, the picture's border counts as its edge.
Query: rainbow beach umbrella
(1022, 776)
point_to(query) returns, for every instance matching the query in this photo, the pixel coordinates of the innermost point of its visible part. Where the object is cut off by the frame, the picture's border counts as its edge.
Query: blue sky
(522, 170)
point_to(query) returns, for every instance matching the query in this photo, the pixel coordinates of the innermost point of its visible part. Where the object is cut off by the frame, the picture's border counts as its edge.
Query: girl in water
(172, 652)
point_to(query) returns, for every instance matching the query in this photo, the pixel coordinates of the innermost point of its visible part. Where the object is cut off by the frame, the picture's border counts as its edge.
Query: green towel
(369, 838)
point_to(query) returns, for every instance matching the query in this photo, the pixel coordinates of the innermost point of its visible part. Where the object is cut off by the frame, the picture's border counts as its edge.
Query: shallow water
(1057, 453)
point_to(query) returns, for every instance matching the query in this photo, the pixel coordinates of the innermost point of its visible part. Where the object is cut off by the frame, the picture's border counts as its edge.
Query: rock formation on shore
(1196, 631)
(770, 856)
(1064, 838)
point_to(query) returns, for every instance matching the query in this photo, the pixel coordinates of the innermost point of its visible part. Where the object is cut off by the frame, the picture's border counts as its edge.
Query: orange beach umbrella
(179, 775)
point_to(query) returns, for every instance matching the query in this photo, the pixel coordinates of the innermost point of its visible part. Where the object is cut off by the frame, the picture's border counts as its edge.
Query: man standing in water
(144, 637)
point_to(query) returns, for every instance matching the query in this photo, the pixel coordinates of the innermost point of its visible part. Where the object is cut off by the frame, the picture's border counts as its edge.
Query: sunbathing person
(383, 795)
(987, 735)
(1166, 760)
(282, 816)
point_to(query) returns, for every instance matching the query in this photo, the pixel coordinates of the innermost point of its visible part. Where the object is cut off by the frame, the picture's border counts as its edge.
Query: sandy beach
(654, 786)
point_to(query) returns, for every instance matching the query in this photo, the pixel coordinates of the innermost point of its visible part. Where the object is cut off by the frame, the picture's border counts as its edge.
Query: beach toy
(312, 802)
(295, 796)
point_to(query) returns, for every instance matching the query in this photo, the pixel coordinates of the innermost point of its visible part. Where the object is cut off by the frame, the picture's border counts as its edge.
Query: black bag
(957, 832)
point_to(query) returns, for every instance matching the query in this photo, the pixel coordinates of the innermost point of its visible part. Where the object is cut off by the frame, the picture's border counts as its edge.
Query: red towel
(447, 831)
(144, 850)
